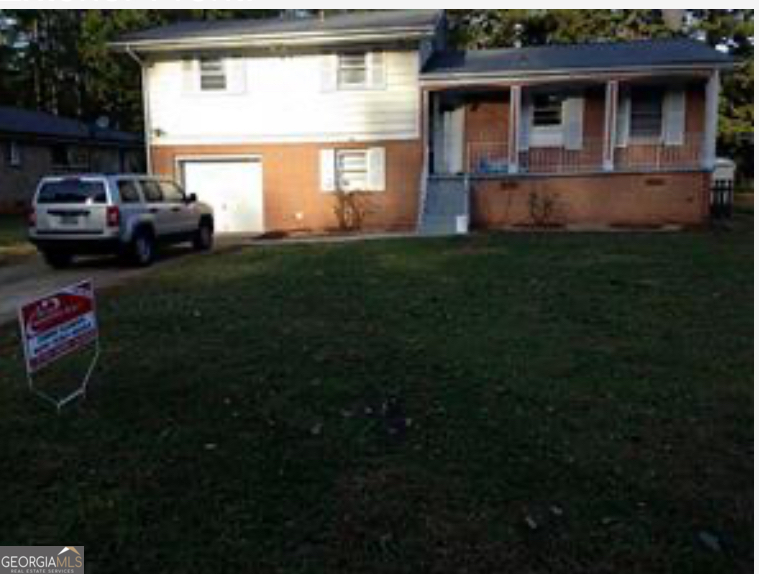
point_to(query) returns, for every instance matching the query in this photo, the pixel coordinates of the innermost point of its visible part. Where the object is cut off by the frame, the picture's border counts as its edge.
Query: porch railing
(492, 158)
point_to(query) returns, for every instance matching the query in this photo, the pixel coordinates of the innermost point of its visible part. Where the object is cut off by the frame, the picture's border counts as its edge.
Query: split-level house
(273, 121)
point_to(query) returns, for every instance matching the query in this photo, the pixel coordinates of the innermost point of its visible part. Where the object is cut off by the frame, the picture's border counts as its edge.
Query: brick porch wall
(602, 199)
(293, 200)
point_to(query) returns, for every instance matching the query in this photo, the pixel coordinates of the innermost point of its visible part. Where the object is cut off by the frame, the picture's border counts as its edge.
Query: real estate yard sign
(55, 326)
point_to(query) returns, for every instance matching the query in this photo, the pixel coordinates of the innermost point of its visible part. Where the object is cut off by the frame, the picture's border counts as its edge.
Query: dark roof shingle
(611, 55)
(28, 122)
(374, 20)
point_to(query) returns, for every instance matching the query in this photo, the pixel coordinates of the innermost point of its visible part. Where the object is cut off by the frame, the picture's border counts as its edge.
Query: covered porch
(645, 123)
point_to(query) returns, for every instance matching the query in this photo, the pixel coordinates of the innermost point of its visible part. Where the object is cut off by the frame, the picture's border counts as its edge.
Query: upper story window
(352, 71)
(646, 113)
(213, 75)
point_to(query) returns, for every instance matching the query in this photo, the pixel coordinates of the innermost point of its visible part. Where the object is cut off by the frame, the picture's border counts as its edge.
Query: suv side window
(152, 191)
(129, 192)
(171, 192)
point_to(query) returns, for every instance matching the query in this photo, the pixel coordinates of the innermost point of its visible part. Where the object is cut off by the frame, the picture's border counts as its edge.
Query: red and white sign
(59, 324)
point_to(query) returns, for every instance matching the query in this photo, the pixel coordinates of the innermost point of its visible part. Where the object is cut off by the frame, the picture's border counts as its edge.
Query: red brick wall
(293, 200)
(603, 199)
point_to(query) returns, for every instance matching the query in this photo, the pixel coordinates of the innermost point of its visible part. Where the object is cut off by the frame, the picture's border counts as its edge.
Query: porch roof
(641, 55)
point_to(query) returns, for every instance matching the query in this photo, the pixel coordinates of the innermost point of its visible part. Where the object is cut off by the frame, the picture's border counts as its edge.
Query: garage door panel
(233, 188)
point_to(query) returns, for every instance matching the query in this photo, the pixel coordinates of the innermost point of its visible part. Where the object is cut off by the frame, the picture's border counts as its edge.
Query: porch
(580, 127)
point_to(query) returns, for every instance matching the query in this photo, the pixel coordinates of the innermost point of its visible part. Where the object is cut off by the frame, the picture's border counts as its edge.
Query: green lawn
(13, 242)
(500, 403)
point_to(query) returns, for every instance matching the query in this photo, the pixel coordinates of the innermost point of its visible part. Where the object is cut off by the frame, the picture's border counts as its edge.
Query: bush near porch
(513, 403)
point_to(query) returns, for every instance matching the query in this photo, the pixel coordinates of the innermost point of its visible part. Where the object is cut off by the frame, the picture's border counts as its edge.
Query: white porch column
(712, 119)
(515, 127)
(610, 126)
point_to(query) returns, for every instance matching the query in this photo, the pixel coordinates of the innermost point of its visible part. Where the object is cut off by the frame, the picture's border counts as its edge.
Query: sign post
(58, 325)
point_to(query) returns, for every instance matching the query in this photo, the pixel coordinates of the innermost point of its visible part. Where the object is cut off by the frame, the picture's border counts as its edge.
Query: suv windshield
(72, 191)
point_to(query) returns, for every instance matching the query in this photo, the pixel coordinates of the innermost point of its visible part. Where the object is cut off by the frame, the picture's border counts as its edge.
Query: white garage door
(233, 188)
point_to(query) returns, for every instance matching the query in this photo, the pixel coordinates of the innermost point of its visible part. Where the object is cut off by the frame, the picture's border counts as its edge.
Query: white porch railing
(492, 158)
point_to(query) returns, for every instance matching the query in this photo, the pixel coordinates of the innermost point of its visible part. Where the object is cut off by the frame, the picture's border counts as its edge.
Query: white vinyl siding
(286, 100)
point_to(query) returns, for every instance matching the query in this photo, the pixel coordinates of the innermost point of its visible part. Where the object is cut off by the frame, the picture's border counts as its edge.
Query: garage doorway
(233, 187)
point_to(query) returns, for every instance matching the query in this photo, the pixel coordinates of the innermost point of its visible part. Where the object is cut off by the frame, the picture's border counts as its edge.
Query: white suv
(121, 214)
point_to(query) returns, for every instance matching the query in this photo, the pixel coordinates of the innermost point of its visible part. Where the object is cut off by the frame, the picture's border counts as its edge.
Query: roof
(28, 122)
(641, 54)
(350, 24)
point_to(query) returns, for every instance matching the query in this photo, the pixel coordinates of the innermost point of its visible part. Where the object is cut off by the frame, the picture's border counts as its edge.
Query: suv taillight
(113, 216)
(31, 218)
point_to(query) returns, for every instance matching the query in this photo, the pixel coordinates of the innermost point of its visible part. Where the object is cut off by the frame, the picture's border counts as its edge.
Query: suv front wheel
(142, 249)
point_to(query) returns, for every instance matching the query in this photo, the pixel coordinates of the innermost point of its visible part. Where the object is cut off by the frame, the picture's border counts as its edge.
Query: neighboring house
(269, 120)
(36, 144)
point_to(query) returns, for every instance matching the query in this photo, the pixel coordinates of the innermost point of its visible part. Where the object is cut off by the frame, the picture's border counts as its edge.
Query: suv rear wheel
(143, 248)
(57, 259)
(203, 240)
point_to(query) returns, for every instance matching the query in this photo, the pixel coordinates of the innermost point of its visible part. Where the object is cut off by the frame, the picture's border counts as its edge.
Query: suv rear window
(72, 191)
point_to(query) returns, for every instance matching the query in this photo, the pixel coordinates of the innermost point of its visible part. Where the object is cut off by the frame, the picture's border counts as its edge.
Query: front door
(449, 141)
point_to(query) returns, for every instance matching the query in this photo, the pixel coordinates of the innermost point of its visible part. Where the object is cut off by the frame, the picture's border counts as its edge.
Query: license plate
(69, 219)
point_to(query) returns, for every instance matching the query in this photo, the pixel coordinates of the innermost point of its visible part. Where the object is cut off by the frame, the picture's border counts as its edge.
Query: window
(352, 71)
(72, 191)
(547, 111)
(352, 170)
(13, 154)
(152, 191)
(171, 192)
(646, 113)
(129, 192)
(213, 77)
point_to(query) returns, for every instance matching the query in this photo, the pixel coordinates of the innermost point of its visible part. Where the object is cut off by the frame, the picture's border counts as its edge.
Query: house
(273, 121)
(36, 144)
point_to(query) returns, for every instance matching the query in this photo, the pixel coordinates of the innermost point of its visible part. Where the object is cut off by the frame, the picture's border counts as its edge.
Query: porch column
(709, 151)
(610, 126)
(515, 127)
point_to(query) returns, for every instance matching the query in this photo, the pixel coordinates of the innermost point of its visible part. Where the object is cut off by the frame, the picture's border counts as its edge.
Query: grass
(13, 242)
(499, 403)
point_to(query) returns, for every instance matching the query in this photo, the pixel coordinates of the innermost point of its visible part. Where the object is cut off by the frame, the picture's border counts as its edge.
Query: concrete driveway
(33, 278)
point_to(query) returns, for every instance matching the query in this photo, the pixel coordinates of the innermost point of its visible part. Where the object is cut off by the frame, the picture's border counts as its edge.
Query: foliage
(351, 209)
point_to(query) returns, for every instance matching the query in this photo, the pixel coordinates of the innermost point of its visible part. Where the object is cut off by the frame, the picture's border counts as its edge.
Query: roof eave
(436, 77)
(301, 39)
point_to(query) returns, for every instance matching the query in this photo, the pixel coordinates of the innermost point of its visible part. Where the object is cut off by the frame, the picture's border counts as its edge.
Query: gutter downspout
(145, 108)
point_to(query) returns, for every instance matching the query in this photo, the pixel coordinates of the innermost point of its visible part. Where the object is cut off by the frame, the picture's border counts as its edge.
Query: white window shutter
(328, 169)
(525, 123)
(573, 109)
(377, 70)
(674, 117)
(329, 73)
(236, 73)
(623, 120)
(375, 160)
(190, 76)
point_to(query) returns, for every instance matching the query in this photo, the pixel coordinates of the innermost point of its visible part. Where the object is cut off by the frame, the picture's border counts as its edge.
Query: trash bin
(723, 189)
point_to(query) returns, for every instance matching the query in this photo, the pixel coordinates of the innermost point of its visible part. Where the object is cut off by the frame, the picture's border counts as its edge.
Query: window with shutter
(352, 71)
(213, 75)
(646, 113)
(547, 120)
